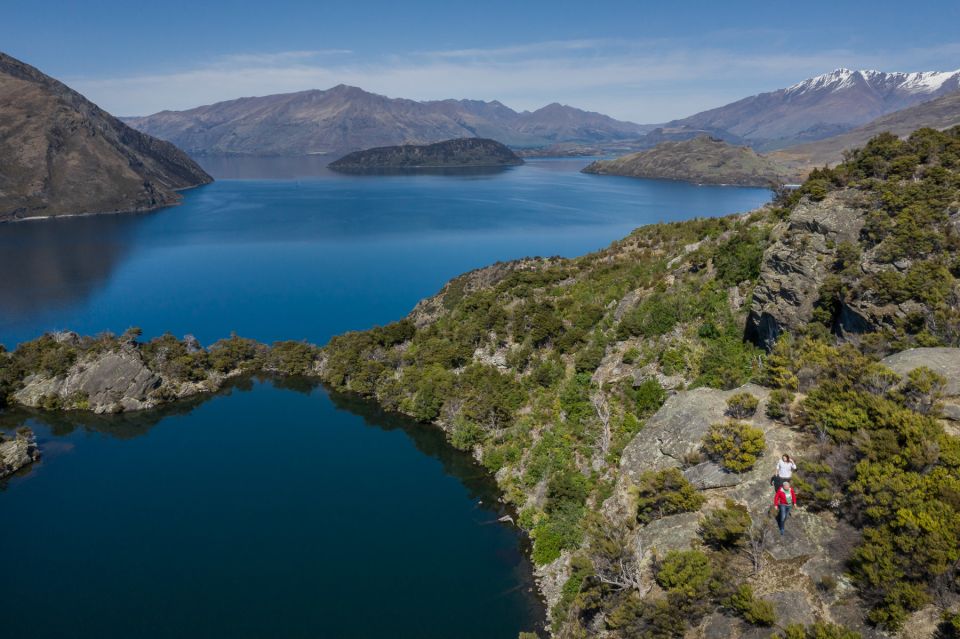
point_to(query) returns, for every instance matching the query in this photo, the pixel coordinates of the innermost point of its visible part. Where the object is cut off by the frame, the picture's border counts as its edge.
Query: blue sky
(643, 61)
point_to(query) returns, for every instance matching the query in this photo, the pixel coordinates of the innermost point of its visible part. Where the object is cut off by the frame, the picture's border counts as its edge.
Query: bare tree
(756, 547)
(618, 562)
(602, 408)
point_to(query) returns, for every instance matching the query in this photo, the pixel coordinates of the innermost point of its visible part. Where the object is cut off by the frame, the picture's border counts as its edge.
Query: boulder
(18, 452)
(711, 475)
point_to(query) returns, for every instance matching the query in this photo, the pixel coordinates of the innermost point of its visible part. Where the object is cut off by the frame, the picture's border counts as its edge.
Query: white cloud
(643, 81)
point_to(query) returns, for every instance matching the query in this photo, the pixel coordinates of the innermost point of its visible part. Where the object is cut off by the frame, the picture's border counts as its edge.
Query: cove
(277, 509)
(271, 510)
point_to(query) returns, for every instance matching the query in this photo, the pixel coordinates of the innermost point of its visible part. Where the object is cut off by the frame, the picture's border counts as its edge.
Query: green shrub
(648, 397)
(665, 492)
(742, 405)
(292, 358)
(818, 630)
(734, 445)
(725, 527)
(690, 580)
(466, 434)
(758, 612)
(588, 358)
(778, 404)
(739, 258)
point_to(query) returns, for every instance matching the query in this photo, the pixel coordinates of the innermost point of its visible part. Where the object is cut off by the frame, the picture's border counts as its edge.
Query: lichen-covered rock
(18, 452)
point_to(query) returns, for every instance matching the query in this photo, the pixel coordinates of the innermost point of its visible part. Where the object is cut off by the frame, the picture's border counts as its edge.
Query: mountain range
(61, 154)
(817, 108)
(346, 118)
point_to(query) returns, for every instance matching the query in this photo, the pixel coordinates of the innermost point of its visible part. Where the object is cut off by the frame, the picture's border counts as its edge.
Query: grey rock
(18, 452)
(719, 626)
(710, 475)
(944, 361)
(674, 532)
(951, 411)
(805, 534)
(791, 606)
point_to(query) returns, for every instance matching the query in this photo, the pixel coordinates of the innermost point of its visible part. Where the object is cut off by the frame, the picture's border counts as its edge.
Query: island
(702, 160)
(460, 152)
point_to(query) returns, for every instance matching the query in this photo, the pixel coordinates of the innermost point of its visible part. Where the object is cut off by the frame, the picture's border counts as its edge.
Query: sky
(647, 62)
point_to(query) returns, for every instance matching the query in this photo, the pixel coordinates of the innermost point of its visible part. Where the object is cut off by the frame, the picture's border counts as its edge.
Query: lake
(276, 508)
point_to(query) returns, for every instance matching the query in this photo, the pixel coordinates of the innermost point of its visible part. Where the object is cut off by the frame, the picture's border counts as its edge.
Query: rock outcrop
(820, 261)
(60, 154)
(111, 382)
(18, 452)
(108, 383)
(796, 265)
(458, 153)
(790, 566)
(674, 435)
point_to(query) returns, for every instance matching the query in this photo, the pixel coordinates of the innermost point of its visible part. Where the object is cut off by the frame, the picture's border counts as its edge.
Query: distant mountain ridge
(814, 109)
(60, 154)
(345, 118)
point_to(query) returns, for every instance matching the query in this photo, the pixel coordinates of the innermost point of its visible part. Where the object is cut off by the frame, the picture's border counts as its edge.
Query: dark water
(276, 509)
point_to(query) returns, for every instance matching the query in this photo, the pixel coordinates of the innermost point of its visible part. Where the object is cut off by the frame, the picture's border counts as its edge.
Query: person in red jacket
(784, 500)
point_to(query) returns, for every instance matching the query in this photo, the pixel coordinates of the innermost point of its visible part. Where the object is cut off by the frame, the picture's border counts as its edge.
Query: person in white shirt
(785, 468)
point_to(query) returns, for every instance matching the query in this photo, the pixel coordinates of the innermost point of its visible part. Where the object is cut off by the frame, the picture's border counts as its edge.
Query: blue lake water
(275, 509)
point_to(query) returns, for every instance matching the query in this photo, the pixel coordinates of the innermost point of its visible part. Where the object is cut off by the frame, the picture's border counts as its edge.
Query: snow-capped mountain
(819, 107)
(918, 83)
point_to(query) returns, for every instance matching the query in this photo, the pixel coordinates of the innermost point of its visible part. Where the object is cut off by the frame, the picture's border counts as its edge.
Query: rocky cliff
(702, 160)
(461, 152)
(60, 154)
